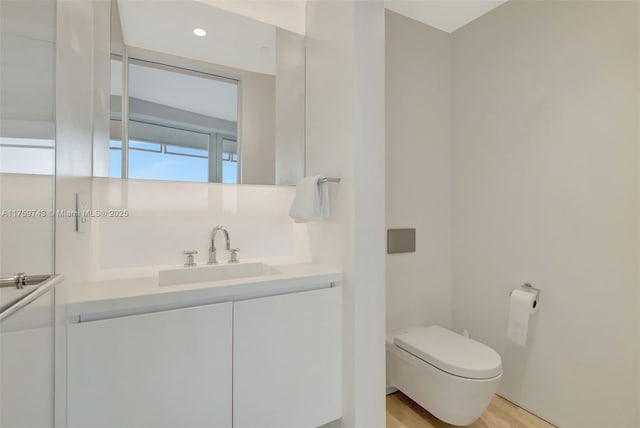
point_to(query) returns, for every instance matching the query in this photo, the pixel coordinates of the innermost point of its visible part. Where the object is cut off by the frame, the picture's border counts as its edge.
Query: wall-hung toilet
(451, 376)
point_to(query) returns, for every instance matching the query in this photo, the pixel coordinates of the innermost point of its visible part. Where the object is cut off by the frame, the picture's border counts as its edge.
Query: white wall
(287, 14)
(345, 139)
(74, 129)
(290, 92)
(166, 218)
(418, 171)
(257, 131)
(78, 41)
(546, 190)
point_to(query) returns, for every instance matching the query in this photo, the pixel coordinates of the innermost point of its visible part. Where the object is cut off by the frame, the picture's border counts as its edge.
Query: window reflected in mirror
(227, 107)
(27, 87)
(182, 124)
(26, 155)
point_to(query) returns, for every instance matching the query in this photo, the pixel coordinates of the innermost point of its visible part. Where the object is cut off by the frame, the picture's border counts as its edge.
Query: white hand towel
(311, 201)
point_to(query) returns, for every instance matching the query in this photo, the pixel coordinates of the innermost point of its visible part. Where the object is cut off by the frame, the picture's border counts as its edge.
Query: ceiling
(287, 14)
(445, 15)
(209, 97)
(167, 26)
(242, 34)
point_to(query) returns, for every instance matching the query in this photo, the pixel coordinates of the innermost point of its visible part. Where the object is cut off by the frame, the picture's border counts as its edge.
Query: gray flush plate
(401, 241)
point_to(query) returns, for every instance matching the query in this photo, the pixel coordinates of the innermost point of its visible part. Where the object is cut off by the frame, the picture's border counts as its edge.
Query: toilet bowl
(451, 376)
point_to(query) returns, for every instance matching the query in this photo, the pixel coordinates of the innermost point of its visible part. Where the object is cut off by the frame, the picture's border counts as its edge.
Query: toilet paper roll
(520, 308)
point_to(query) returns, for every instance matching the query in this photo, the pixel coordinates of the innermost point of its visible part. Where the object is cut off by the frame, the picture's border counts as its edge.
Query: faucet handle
(190, 261)
(234, 255)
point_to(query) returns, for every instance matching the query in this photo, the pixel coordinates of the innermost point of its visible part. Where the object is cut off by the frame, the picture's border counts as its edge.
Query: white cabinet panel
(164, 369)
(288, 360)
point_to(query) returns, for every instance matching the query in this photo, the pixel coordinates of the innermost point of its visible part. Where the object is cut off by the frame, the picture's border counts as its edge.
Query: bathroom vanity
(235, 350)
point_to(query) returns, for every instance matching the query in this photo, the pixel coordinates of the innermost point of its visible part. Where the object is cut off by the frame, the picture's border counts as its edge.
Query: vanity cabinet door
(288, 360)
(163, 369)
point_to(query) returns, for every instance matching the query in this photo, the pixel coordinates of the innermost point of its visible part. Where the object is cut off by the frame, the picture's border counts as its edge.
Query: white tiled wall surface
(166, 218)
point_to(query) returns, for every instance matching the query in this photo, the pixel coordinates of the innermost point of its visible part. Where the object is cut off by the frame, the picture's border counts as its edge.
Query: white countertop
(106, 299)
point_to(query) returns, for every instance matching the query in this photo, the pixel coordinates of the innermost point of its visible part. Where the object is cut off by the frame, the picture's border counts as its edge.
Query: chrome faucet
(213, 260)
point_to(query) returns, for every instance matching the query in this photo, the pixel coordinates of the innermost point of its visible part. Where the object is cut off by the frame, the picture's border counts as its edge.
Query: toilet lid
(451, 352)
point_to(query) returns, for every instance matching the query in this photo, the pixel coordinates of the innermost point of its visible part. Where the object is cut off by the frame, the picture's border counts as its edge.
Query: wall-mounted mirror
(27, 135)
(27, 181)
(201, 94)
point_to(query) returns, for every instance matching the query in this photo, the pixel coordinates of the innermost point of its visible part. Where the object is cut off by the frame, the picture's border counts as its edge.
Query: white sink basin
(212, 273)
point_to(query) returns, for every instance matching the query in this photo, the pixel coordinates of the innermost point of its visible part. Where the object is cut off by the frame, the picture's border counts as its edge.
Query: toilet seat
(450, 352)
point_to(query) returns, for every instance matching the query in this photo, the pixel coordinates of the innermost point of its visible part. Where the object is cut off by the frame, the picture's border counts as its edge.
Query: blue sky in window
(229, 172)
(158, 166)
(162, 166)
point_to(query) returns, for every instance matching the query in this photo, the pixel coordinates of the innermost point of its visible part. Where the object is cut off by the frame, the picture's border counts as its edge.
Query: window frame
(216, 138)
(214, 162)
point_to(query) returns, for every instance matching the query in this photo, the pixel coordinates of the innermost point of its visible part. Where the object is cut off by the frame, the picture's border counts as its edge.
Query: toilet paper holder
(530, 289)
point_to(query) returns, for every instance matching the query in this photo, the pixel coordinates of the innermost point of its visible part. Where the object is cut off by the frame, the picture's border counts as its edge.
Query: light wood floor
(402, 412)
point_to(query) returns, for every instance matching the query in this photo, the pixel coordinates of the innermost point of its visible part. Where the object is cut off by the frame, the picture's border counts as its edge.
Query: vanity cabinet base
(163, 369)
(287, 354)
(271, 362)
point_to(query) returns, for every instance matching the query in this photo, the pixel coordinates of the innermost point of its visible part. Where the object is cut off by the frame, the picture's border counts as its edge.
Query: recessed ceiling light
(199, 32)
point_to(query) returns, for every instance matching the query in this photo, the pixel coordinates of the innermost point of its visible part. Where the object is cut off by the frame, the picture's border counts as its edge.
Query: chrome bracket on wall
(530, 289)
